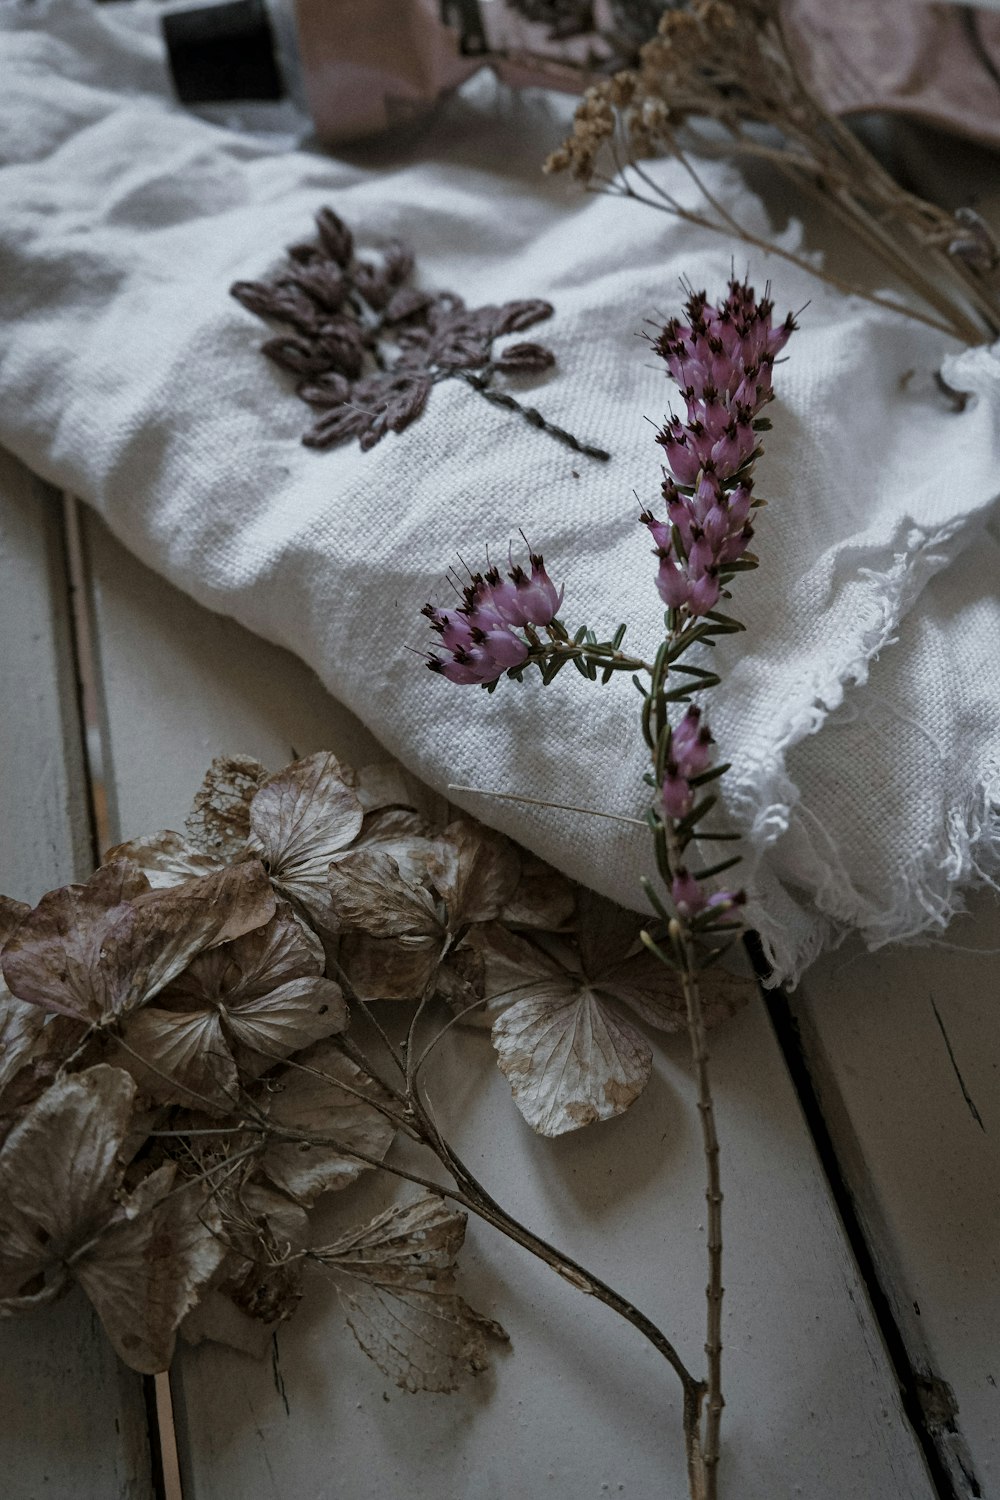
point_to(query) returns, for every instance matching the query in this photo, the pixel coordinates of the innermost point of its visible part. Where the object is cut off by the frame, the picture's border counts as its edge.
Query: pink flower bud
(687, 730)
(701, 557)
(679, 515)
(739, 506)
(472, 666)
(688, 896)
(707, 494)
(735, 546)
(682, 460)
(546, 598)
(716, 527)
(704, 595)
(671, 583)
(678, 798)
(455, 629)
(658, 530)
(505, 648)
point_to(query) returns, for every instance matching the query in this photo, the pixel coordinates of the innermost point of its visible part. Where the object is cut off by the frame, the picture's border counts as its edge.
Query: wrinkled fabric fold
(129, 375)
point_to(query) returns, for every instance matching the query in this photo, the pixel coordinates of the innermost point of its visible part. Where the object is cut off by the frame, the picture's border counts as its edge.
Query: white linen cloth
(861, 710)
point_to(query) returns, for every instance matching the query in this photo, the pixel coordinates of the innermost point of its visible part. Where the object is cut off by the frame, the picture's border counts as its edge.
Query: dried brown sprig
(179, 1083)
(367, 347)
(723, 79)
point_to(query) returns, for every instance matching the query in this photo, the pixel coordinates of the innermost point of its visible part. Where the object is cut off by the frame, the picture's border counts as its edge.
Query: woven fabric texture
(861, 710)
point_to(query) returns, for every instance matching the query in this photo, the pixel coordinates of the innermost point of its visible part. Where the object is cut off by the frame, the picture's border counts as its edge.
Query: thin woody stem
(703, 1448)
(713, 1198)
(625, 189)
(480, 383)
(602, 654)
(486, 1207)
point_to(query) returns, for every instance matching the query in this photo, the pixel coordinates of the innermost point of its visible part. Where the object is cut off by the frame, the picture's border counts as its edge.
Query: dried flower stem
(956, 326)
(721, 79)
(531, 414)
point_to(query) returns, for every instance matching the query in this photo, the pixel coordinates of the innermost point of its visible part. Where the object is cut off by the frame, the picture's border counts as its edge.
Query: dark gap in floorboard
(909, 1380)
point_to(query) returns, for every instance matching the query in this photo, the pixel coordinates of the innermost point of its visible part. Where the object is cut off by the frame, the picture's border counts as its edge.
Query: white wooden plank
(72, 1418)
(581, 1406)
(905, 1048)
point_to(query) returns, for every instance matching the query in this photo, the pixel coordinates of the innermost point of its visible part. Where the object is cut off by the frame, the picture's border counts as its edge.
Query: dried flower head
(722, 358)
(480, 634)
(724, 79)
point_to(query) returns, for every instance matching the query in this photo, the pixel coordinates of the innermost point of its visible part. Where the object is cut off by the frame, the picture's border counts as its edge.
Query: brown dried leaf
(570, 1060)
(58, 1172)
(267, 987)
(524, 359)
(512, 317)
(12, 914)
(219, 821)
(618, 965)
(370, 895)
(147, 1269)
(20, 1023)
(382, 784)
(300, 818)
(265, 991)
(461, 982)
(100, 950)
(335, 237)
(389, 968)
(654, 993)
(334, 426)
(406, 836)
(140, 1260)
(164, 858)
(267, 1234)
(315, 1103)
(396, 1278)
(544, 898)
(568, 1055)
(180, 1057)
(325, 391)
(20, 1026)
(478, 874)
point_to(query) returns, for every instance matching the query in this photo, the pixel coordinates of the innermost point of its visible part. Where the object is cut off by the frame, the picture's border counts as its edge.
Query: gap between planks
(159, 1403)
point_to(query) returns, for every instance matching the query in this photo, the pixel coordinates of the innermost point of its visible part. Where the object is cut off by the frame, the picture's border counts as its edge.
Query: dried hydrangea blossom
(195, 999)
(142, 1258)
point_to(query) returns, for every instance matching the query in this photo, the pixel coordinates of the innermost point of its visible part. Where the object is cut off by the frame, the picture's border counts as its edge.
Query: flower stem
(703, 1455)
(530, 414)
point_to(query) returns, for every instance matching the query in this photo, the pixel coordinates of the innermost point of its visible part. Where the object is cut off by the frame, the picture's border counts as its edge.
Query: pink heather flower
(503, 646)
(672, 582)
(739, 506)
(472, 666)
(480, 635)
(704, 595)
(690, 754)
(722, 358)
(526, 601)
(688, 896)
(658, 530)
(678, 798)
(691, 744)
(701, 555)
(455, 629)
